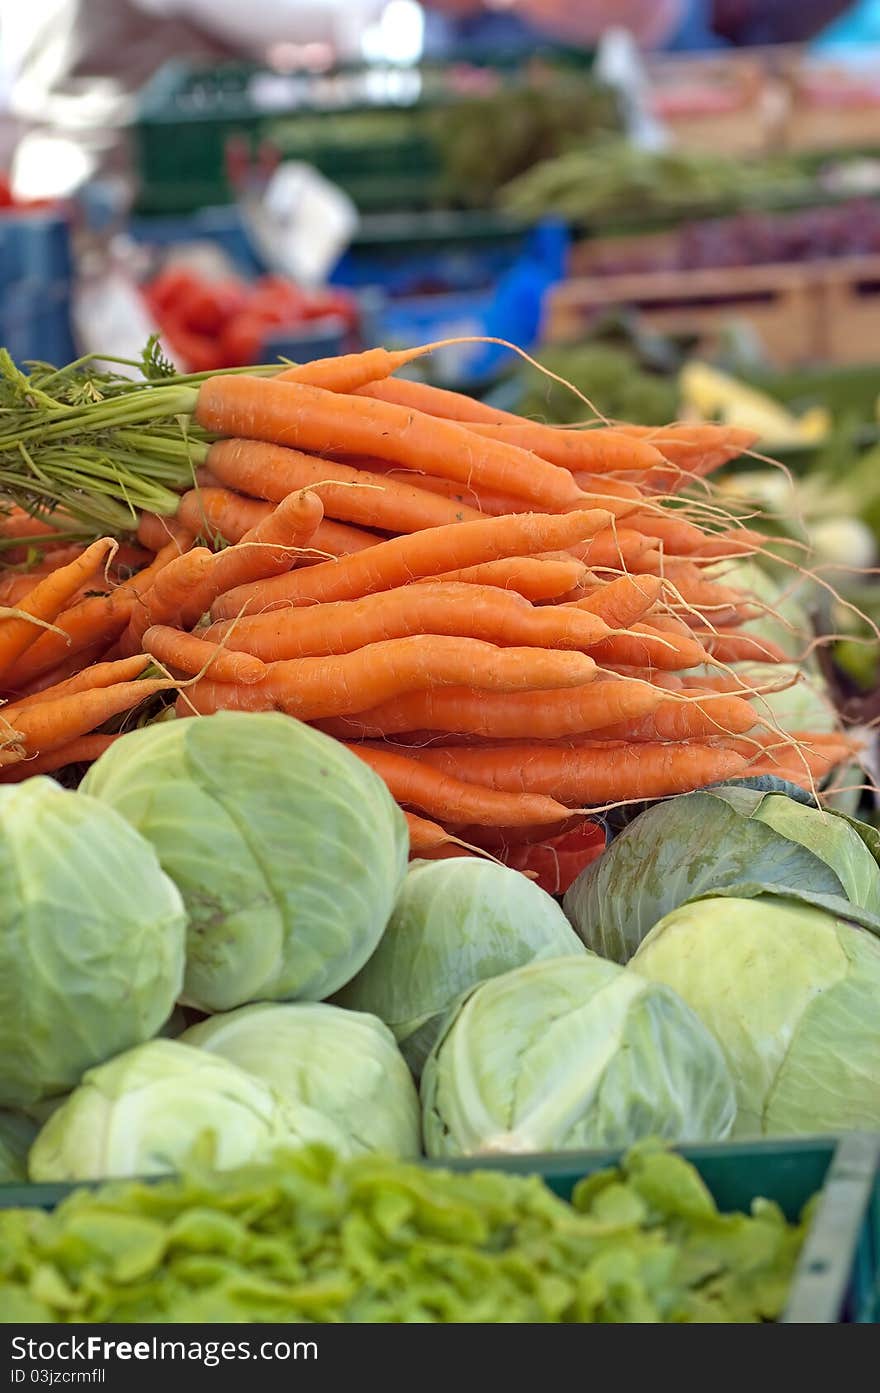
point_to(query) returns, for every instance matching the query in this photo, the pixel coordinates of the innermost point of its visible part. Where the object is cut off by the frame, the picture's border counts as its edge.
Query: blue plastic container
(221, 226)
(36, 271)
(34, 247)
(35, 322)
(511, 309)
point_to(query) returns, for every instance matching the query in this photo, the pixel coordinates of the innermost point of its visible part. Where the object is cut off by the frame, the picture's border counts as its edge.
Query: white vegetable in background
(288, 850)
(572, 1053)
(791, 993)
(344, 1064)
(91, 939)
(455, 923)
(150, 1109)
(804, 705)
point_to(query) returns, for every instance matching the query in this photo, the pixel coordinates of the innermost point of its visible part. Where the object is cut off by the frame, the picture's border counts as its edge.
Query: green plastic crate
(838, 1275)
(188, 114)
(370, 130)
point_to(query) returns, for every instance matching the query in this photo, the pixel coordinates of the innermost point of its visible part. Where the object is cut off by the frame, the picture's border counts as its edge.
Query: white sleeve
(254, 28)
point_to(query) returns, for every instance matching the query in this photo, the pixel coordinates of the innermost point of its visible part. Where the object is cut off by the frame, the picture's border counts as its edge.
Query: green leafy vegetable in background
(613, 178)
(611, 376)
(310, 1238)
(455, 924)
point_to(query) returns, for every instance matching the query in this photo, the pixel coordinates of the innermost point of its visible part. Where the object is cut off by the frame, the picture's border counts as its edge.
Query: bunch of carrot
(512, 623)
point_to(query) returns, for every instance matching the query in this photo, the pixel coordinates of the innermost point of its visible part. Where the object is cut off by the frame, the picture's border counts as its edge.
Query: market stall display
(438, 784)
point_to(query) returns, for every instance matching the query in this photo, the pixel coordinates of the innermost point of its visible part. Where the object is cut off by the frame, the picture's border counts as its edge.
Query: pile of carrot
(513, 624)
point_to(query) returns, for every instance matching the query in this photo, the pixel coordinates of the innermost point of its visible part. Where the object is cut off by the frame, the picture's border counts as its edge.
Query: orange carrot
(83, 750)
(47, 725)
(329, 423)
(535, 578)
(349, 371)
(502, 715)
(100, 619)
(188, 654)
(186, 588)
(70, 667)
(590, 774)
(488, 503)
(432, 607)
(177, 594)
(609, 487)
(272, 472)
(622, 602)
(690, 719)
(46, 601)
(155, 532)
(426, 838)
(730, 647)
(454, 799)
(597, 451)
(620, 549)
(435, 401)
(314, 688)
(645, 646)
(214, 513)
(219, 513)
(404, 559)
(89, 679)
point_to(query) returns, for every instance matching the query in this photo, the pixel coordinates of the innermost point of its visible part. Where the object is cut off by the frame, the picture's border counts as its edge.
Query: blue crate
(35, 322)
(34, 247)
(407, 255)
(223, 226)
(321, 338)
(512, 310)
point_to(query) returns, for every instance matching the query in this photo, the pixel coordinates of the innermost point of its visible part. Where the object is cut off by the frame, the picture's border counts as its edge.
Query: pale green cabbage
(17, 1132)
(344, 1064)
(455, 924)
(791, 993)
(572, 1053)
(287, 848)
(716, 839)
(152, 1108)
(91, 939)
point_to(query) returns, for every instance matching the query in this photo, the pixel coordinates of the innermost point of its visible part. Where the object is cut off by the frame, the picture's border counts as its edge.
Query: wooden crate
(830, 107)
(782, 304)
(851, 310)
(739, 93)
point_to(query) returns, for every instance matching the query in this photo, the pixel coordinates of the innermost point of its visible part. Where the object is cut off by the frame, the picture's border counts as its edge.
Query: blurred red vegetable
(225, 323)
(557, 862)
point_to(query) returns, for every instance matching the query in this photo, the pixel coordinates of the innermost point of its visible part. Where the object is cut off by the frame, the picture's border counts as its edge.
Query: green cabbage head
(792, 994)
(344, 1064)
(147, 1111)
(17, 1132)
(287, 848)
(571, 1053)
(717, 839)
(455, 924)
(91, 939)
